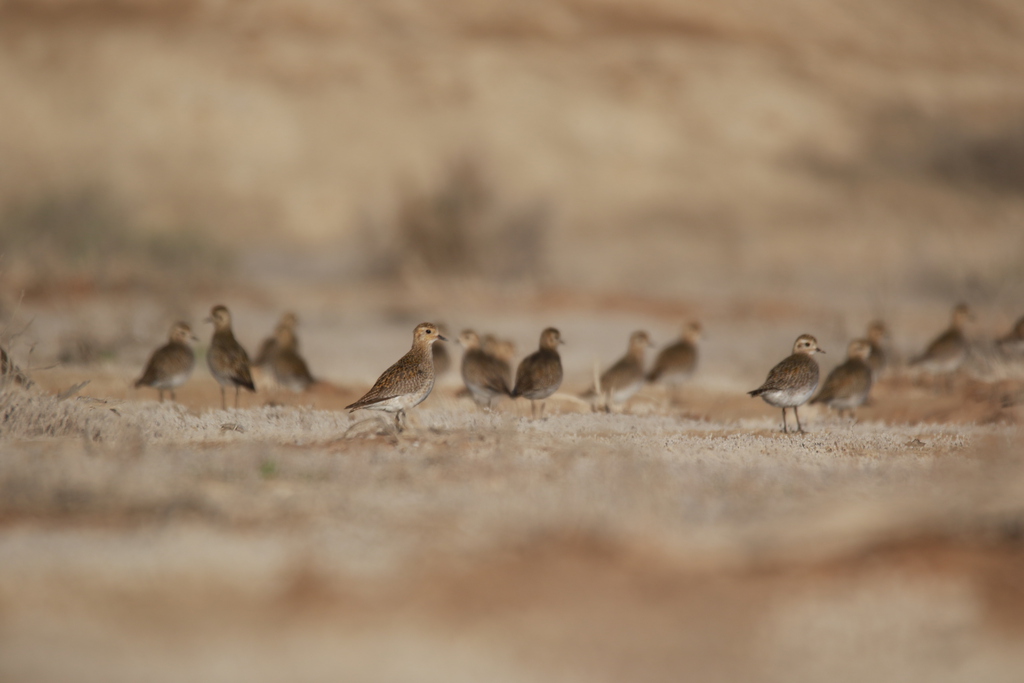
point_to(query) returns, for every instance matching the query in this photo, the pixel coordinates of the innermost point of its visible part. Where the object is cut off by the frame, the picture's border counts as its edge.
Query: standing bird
(677, 362)
(540, 374)
(406, 383)
(485, 376)
(948, 351)
(793, 380)
(848, 385)
(228, 361)
(269, 346)
(290, 369)
(502, 350)
(626, 376)
(171, 365)
(878, 358)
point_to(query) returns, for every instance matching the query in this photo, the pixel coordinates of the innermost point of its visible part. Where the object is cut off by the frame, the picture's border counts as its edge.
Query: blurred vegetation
(463, 227)
(85, 239)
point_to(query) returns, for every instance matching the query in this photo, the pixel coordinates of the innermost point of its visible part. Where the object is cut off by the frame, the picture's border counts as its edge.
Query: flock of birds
(487, 367)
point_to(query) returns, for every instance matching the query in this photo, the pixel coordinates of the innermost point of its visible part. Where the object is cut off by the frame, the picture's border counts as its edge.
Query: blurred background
(733, 158)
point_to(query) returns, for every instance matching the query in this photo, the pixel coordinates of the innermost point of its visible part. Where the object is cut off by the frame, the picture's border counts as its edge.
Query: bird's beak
(195, 338)
(208, 320)
(561, 341)
(442, 338)
(821, 350)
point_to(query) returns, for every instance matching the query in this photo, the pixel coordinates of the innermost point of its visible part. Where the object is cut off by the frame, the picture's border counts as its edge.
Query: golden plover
(847, 386)
(948, 351)
(502, 350)
(406, 383)
(171, 365)
(540, 374)
(290, 369)
(878, 359)
(485, 376)
(677, 362)
(269, 345)
(228, 361)
(793, 380)
(626, 376)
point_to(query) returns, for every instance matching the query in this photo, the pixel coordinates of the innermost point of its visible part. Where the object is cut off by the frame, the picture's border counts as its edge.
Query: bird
(948, 351)
(442, 361)
(486, 377)
(540, 374)
(677, 362)
(408, 382)
(290, 369)
(878, 358)
(1013, 342)
(504, 351)
(171, 365)
(269, 345)
(623, 379)
(847, 386)
(790, 383)
(228, 361)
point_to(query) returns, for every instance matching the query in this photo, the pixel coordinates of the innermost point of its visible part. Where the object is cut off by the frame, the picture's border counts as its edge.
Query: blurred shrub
(462, 227)
(86, 238)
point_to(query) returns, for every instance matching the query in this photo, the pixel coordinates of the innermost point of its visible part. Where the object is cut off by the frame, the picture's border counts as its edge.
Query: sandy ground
(291, 540)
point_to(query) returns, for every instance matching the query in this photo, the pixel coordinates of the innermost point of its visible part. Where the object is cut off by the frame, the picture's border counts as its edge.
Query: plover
(171, 365)
(623, 379)
(228, 361)
(793, 380)
(290, 369)
(847, 386)
(9, 372)
(269, 345)
(502, 350)
(677, 362)
(485, 376)
(948, 351)
(540, 374)
(406, 383)
(878, 359)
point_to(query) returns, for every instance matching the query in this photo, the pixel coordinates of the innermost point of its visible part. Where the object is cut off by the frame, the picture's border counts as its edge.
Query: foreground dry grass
(153, 541)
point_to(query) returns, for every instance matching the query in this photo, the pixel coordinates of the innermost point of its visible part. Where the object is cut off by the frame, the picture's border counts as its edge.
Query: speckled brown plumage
(228, 361)
(793, 381)
(290, 369)
(484, 375)
(1013, 342)
(948, 351)
(170, 365)
(9, 372)
(540, 374)
(878, 359)
(406, 383)
(677, 362)
(626, 376)
(847, 386)
(269, 345)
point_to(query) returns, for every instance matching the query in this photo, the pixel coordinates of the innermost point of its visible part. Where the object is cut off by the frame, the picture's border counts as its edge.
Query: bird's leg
(799, 427)
(533, 409)
(173, 396)
(161, 393)
(237, 391)
(542, 404)
(223, 399)
(785, 429)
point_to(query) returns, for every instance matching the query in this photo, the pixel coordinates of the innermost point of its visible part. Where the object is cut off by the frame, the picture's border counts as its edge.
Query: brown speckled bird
(948, 351)
(485, 376)
(171, 365)
(406, 383)
(269, 346)
(540, 374)
(228, 361)
(502, 350)
(847, 386)
(793, 380)
(677, 362)
(878, 359)
(290, 369)
(626, 376)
